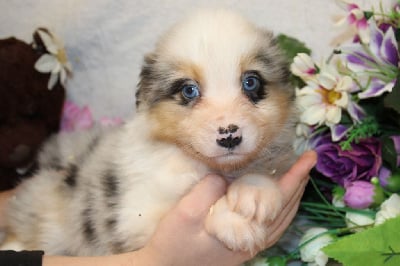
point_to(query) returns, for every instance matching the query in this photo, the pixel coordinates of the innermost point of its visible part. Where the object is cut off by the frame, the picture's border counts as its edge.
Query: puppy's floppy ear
(155, 81)
(147, 79)
(275, 62)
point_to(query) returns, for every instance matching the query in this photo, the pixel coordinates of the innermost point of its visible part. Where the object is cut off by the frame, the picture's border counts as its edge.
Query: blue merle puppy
(213, 97)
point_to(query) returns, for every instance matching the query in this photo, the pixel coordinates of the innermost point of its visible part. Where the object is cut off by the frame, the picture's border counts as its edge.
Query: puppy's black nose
(229, 137)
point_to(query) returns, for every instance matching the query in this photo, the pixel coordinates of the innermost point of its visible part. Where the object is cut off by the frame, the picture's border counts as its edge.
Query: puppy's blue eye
(190, 91)
(251, 83)
(253, 86)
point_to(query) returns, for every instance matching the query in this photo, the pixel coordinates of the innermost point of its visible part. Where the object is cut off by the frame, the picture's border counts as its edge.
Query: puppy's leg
(239, 218)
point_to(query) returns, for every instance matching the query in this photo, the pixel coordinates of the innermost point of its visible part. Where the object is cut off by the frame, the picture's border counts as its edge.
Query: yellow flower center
(62, 56)
(330, 96)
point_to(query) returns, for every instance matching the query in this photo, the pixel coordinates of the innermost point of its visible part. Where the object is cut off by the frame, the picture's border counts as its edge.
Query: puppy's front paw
(238, 219)
(260, 202)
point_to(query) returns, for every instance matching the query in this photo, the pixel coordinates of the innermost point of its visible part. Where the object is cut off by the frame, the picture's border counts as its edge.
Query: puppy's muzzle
(229, 137)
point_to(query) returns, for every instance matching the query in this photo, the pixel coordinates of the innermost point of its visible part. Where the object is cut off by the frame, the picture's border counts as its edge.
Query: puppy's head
(217, 86)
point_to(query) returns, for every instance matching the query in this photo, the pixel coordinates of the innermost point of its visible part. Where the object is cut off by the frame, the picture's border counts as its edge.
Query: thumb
(199, 200)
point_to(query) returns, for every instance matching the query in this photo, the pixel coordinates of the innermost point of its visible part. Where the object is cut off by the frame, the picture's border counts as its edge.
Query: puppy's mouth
(229, 162)
(229, 157)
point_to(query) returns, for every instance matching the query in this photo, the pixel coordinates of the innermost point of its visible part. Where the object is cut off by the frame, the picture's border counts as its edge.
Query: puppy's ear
(155, 81)
(147, 78)
(273, 58)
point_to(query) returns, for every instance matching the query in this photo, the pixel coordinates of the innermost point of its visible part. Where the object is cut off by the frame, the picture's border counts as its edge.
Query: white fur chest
(154, 177)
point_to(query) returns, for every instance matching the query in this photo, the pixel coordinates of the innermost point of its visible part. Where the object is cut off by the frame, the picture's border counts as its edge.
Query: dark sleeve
(21, 258)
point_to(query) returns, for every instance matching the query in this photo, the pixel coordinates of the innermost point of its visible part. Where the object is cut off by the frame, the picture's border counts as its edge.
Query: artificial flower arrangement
(350, 115)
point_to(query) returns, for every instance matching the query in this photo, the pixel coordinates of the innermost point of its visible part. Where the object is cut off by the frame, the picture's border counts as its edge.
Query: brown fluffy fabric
(29, 112)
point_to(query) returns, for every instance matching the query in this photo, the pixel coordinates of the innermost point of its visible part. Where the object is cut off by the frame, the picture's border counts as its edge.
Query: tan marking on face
(191, 71)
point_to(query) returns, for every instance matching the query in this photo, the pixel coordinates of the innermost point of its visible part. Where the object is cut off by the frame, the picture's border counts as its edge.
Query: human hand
(181, 238)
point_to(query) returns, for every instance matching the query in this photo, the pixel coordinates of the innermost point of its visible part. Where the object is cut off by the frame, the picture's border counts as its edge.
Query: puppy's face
(217, 87)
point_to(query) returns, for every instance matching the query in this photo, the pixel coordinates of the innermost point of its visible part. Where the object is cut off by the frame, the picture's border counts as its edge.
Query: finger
(280, 229)
(283, 220)
(199, 200)
(288, 208)
(297, 174)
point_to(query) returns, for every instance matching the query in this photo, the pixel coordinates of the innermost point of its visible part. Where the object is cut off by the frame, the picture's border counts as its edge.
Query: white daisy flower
(312, 251)
(322, 101)
(390, 208)
(55, 62)
(303, 66)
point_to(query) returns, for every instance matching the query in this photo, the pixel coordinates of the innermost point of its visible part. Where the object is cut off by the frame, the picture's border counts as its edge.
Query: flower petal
(313, 115)
(74, 117)
(327, 80)
(303, 66)
(63, 77)
(333, 115)
(46, 63)
(68, 67)
(363, 30)
(345, 84)
(396, 142)
(390, 208)
(312, 242)
(307, 90)
(57, 68)
(52, 80)
(376, 38)
(357, 59)
(85, 119)
(48, 42)
(355, 111)
(341, 21)
(338, 132)
(343, 100)
(377, 88)
(383, 175)
(305, 102)
(389, 49)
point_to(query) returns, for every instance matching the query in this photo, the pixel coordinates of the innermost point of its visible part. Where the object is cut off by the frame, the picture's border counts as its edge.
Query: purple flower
(362, 162)
(379, 59)
(376, 88)
(383, 47)
(384, 174)
(359, 194)
(388, 180)
(396, 142)
(338, 132)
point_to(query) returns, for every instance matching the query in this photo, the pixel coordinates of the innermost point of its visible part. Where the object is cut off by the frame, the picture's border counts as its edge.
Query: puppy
(213, 97)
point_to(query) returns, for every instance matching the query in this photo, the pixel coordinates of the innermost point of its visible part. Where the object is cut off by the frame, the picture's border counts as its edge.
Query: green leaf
(368, 127)
(389, 154)
(379, 245)
(291, 46)
(368, 14)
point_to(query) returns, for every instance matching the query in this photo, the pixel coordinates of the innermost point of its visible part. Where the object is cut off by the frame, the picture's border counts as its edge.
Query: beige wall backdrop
(106, 39)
